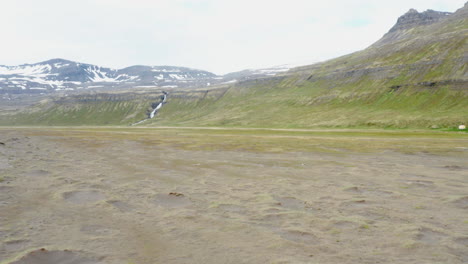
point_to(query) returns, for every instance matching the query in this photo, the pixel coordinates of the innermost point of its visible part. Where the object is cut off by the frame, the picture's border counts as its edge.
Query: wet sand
(119, 196)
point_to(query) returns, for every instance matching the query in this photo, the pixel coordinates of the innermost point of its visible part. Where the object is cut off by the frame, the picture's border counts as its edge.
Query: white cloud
(219, 36)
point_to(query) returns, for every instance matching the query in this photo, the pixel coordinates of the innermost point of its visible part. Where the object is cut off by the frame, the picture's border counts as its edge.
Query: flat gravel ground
(111, 195)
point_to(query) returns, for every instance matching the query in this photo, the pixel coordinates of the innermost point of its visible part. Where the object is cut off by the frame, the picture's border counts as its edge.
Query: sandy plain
(182, 195)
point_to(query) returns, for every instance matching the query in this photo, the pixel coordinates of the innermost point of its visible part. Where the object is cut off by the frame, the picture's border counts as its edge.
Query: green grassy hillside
(415, 77)
(310, 105)
(411, 78)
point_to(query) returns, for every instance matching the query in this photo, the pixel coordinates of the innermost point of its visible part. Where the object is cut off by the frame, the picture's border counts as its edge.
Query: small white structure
(461, 127)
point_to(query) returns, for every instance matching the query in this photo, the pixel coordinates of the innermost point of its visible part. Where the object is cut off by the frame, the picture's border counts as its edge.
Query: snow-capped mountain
(59, 74)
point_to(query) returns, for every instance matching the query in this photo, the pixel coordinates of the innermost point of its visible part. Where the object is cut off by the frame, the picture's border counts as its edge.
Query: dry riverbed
(167, 195)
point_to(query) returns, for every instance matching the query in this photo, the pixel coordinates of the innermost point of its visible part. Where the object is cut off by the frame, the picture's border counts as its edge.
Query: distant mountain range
(60, 74)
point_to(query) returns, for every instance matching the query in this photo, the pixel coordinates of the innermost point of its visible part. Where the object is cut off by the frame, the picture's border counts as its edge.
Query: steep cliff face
(412, 23)
(413, 18)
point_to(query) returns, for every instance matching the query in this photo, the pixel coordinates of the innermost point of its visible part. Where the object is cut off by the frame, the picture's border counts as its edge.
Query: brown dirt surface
(187, 196)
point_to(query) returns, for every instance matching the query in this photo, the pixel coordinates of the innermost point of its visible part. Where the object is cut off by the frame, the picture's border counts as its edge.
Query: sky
(220, 36)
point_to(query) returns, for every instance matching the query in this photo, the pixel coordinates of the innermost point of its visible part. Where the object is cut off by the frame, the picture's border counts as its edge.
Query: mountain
(65, 75)
(420, 47)
(415, 76)
(60, 74)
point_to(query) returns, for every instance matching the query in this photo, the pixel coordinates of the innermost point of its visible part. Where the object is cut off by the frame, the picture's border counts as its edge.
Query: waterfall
(155, 110)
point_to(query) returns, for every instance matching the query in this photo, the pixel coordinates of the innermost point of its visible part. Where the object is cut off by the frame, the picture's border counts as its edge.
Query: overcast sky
(216, 35)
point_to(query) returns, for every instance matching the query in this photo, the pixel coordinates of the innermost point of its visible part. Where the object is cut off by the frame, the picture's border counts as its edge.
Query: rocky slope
(421, 47)
(413, 18)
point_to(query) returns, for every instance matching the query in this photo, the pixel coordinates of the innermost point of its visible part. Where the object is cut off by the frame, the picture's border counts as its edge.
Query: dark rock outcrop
(413, 18)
